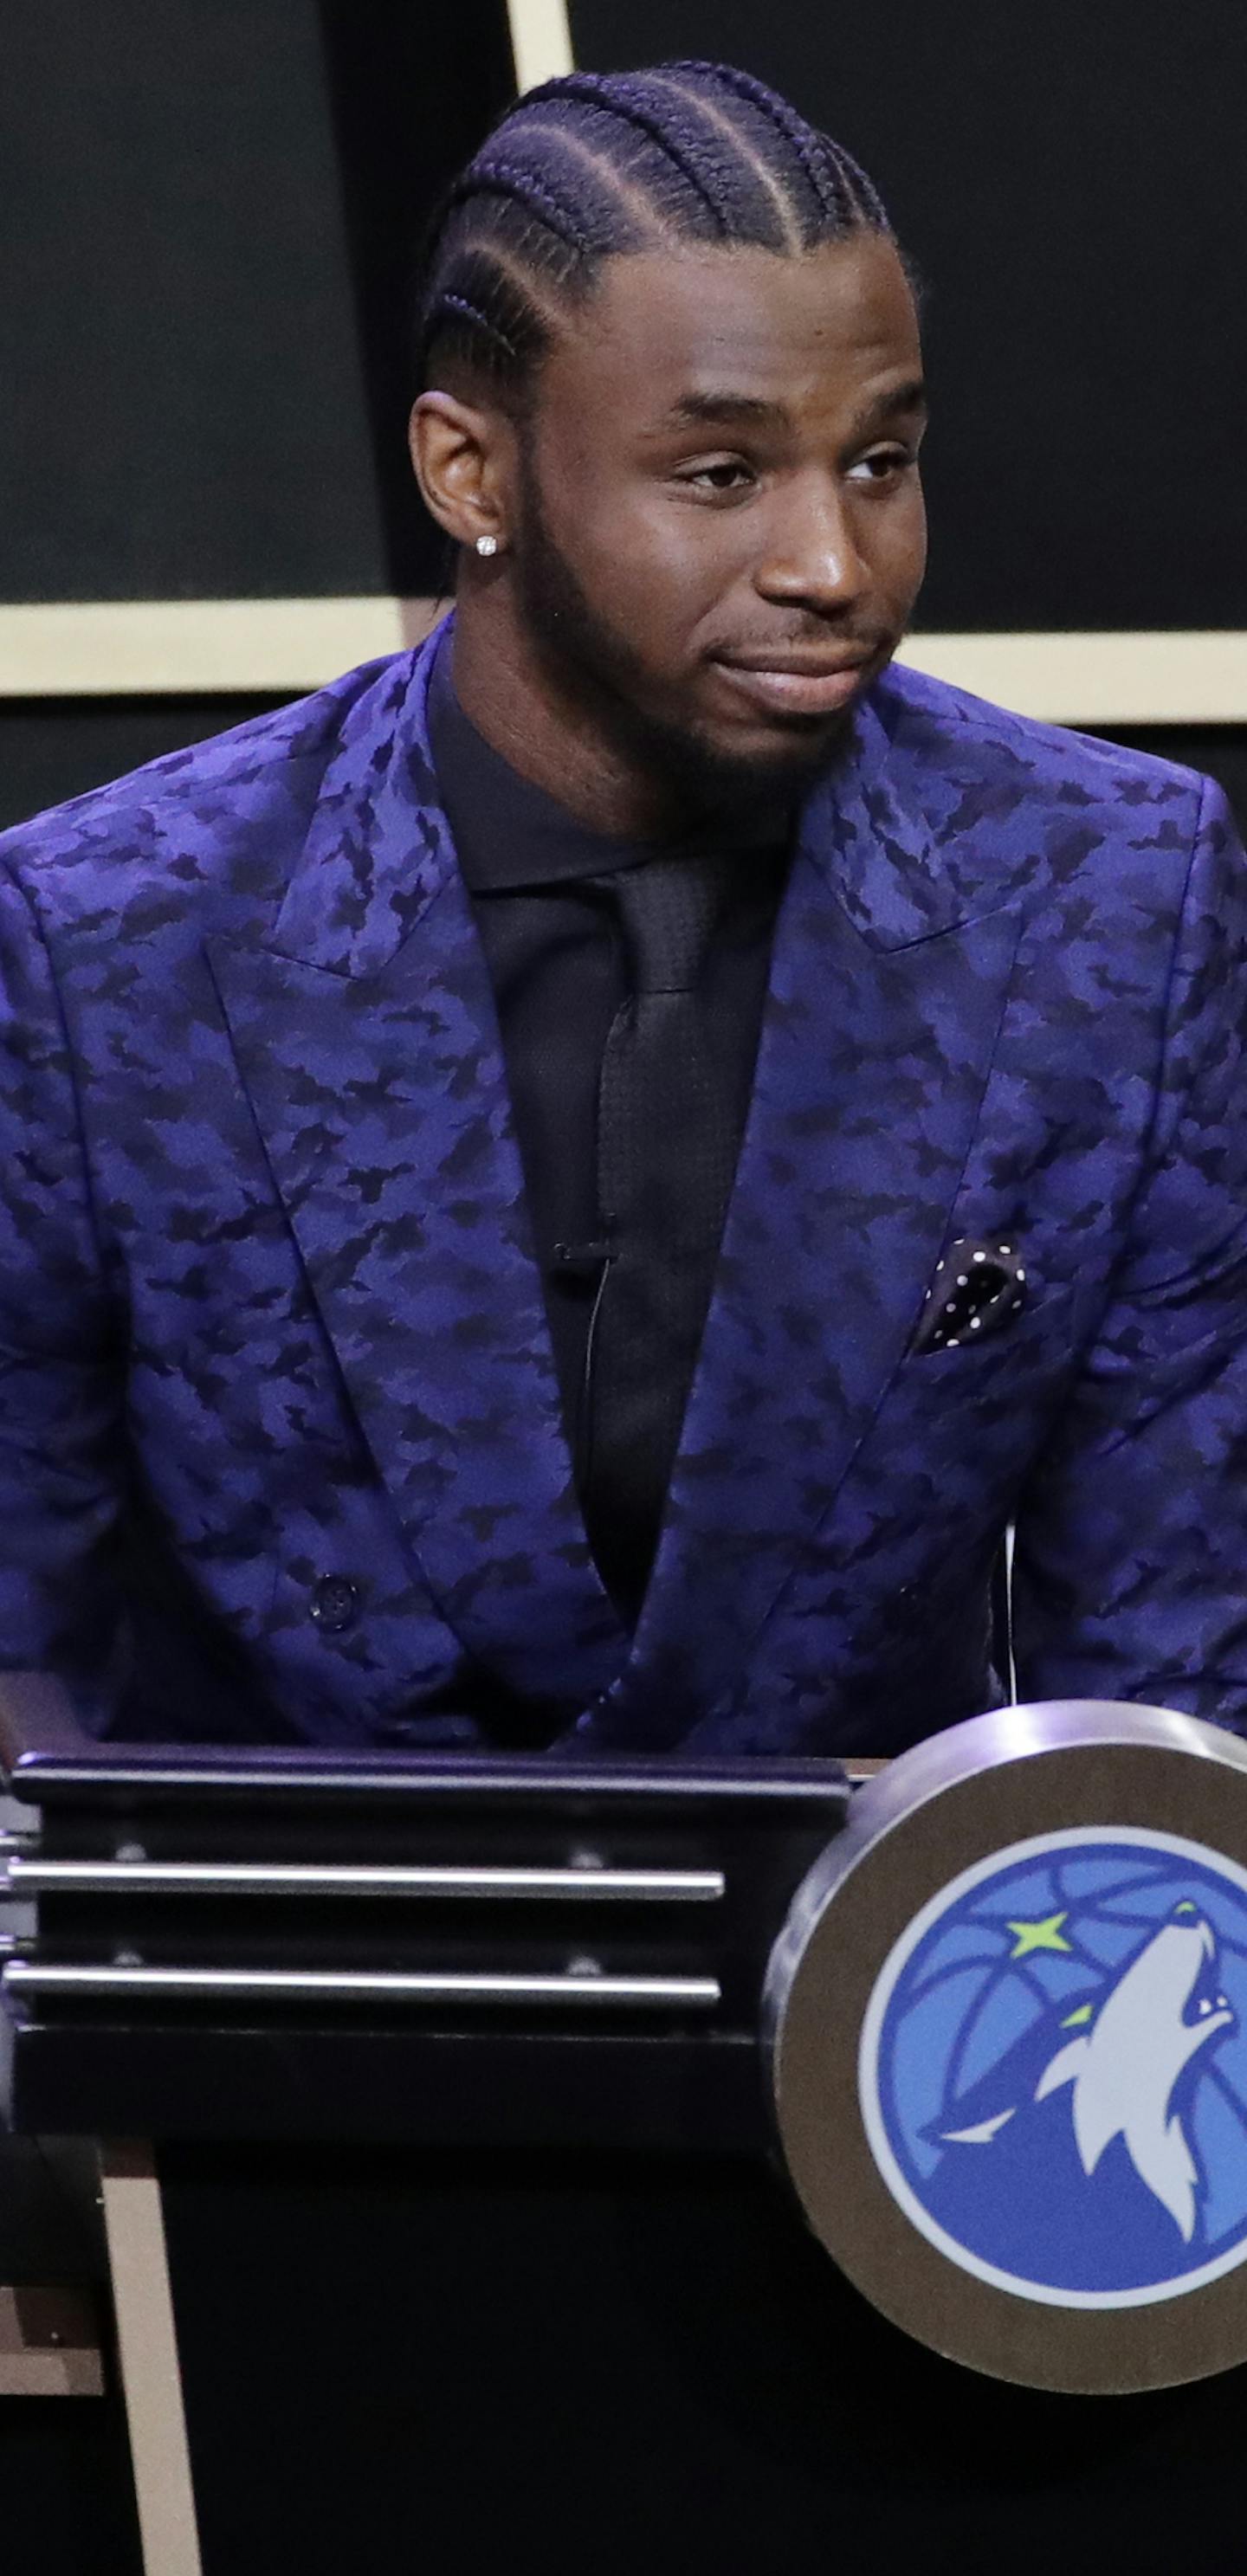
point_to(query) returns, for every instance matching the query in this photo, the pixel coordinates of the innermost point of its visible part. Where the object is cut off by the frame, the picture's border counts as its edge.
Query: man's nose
(813, 559)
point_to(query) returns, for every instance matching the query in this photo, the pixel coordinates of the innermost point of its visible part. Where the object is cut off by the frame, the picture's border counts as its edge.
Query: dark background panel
(413, 90)
(51, 748)
(1069, 179)
(205, 211)
(207, 216)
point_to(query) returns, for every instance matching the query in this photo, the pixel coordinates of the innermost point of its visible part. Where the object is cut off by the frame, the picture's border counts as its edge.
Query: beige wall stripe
(540, 41)
(151, 2376)
(133, 647)
(1171, 677)
(142, 647)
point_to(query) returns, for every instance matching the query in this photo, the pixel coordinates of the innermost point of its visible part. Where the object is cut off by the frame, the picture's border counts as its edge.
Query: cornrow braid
(868, 196)
(505, 179)
(471, 313)
(825, 165)
(599, 165)
(485, 310)
(696, 164)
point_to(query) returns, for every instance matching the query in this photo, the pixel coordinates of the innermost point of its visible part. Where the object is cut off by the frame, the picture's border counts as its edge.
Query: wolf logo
(1123, 2070)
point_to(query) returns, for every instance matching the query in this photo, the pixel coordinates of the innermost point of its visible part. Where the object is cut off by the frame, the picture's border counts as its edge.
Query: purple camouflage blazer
(280, 1441)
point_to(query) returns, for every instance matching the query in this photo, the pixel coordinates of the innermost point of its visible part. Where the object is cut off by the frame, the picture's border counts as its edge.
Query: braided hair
(595, 165)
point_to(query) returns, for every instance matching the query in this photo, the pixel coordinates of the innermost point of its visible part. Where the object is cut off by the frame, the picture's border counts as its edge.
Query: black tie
(668, 1133)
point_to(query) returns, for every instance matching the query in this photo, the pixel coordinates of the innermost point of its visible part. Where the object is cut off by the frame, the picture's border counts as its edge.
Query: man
(567, 1189)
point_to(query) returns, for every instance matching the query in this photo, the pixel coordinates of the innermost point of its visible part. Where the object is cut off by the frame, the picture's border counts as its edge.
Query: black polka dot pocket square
(978, 1288)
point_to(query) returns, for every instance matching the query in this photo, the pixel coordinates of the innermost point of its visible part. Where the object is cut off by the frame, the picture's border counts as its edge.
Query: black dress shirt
(539, 882)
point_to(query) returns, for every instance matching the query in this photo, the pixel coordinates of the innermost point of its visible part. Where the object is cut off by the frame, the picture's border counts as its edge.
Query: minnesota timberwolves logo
(1053, 2068)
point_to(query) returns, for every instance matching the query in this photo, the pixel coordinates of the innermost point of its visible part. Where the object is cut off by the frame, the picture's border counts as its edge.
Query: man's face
(722, 533)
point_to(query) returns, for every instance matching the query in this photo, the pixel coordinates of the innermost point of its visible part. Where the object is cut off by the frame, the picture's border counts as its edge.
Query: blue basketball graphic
(1053, 2068)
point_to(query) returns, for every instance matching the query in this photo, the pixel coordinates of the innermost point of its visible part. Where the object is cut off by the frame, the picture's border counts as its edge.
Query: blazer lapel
(372, 1061)
(882, 1018)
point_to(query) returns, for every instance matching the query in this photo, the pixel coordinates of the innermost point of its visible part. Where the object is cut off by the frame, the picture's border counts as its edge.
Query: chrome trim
(349, 1878)
(25, 1977)
(312, 1776)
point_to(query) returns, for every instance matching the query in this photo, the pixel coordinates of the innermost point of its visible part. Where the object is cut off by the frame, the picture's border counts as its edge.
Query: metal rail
(572, 1986)
(30, 1878)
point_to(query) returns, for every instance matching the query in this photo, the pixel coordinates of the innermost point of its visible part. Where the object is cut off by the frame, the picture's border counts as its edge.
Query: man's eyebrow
(711, 404)
(911, 396)
(692, 409)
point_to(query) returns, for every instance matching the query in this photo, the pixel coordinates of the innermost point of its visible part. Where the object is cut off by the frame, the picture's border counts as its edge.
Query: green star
(1039, 1936)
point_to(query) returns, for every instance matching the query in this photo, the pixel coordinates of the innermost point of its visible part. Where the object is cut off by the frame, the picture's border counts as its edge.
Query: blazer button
(335, 1603)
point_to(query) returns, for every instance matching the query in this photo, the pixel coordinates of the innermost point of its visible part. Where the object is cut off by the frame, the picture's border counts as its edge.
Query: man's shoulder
(1016, 762)
(229, 813)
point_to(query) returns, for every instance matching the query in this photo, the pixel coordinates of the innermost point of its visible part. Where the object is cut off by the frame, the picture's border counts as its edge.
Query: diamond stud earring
(487, 545)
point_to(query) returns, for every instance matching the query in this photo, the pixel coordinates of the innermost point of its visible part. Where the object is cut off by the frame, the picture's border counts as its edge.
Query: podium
(443, 2135)
(383, 2054)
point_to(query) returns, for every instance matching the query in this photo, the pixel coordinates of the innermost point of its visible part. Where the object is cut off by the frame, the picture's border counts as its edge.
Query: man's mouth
(794, 683)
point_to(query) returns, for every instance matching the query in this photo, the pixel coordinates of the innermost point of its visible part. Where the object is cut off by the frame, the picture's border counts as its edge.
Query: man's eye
(724, 474)
(882, 465)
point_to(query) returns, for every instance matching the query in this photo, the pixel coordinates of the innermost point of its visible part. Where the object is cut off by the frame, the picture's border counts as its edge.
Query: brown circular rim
(849, 2206)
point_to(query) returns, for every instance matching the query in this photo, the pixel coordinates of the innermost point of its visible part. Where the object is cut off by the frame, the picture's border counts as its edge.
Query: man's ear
(461, 453)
